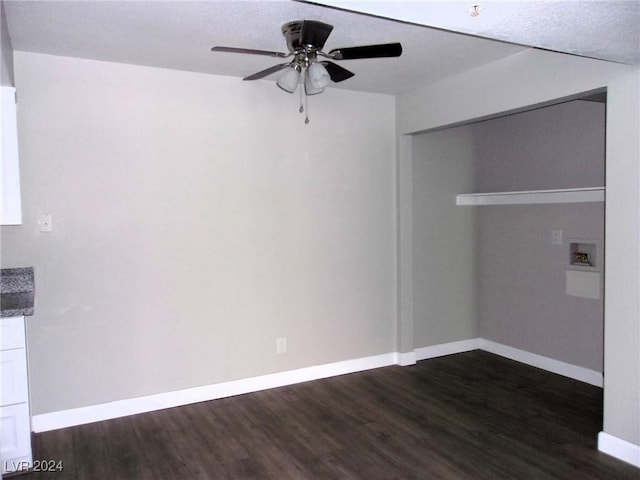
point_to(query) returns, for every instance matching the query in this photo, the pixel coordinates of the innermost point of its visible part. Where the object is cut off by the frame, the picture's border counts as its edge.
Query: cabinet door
(12, 333)
(15, 449)
(13, 369)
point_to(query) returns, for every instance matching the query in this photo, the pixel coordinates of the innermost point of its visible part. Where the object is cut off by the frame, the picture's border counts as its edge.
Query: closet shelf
(564, 195)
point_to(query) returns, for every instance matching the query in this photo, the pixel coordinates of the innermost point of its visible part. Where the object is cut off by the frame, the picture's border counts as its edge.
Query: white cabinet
(13, 365)
(10, 203)
(15, 420)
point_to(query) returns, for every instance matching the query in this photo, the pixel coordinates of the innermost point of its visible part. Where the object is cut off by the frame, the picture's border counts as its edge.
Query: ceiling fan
(305, 41)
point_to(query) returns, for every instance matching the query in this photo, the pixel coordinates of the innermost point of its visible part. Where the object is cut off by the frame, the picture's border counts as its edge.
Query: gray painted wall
(522, 298)
(560, 146)
(445, 243)
(522, 295)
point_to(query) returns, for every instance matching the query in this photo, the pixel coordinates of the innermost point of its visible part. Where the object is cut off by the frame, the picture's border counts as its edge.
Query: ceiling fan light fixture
(309, 88)
(289, 80)
(318, 75)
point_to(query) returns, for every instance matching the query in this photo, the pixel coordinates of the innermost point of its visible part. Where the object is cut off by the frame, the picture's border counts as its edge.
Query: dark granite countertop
(17, 291)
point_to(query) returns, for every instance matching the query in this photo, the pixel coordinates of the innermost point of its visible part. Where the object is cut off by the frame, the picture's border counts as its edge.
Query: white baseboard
(582, 374)
(424, 353)
(618, 448)
(406, 359)
(121, 408)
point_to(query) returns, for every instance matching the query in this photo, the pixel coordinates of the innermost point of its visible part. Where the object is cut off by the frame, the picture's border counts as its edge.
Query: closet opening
(522, 269)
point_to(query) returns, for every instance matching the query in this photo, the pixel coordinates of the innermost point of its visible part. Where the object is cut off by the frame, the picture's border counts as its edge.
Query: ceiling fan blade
(368, 51)
(336, 72)
(268, 71)
(249, 51)
(315, 33)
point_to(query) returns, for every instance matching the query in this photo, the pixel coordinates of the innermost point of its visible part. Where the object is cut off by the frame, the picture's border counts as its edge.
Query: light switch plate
(556, 237)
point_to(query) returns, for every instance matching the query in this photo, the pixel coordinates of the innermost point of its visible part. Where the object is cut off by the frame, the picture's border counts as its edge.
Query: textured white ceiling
(602, 29)
(179, 35)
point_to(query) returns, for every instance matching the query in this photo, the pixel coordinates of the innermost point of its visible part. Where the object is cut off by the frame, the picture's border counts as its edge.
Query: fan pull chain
(306, 105)
(301, 107)
(303, 92)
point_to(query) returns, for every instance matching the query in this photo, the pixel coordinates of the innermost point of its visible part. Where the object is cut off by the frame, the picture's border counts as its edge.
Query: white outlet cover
(281, 345)
(45, 221)
(583, 284)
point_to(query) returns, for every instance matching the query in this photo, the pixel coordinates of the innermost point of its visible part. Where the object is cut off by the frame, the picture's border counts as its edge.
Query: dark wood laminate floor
(466, 416)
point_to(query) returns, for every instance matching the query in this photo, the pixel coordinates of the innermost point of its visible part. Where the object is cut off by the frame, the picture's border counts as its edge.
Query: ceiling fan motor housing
(291, 32)
(308, 35)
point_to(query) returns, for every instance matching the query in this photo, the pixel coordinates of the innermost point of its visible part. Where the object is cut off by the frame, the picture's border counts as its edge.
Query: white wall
(195, 219)
(516, 83)
(537, 78)
(622, 251)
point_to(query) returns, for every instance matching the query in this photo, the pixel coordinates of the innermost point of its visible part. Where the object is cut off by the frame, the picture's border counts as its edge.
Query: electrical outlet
(556, 237)
(281, 345)
(45, 221)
